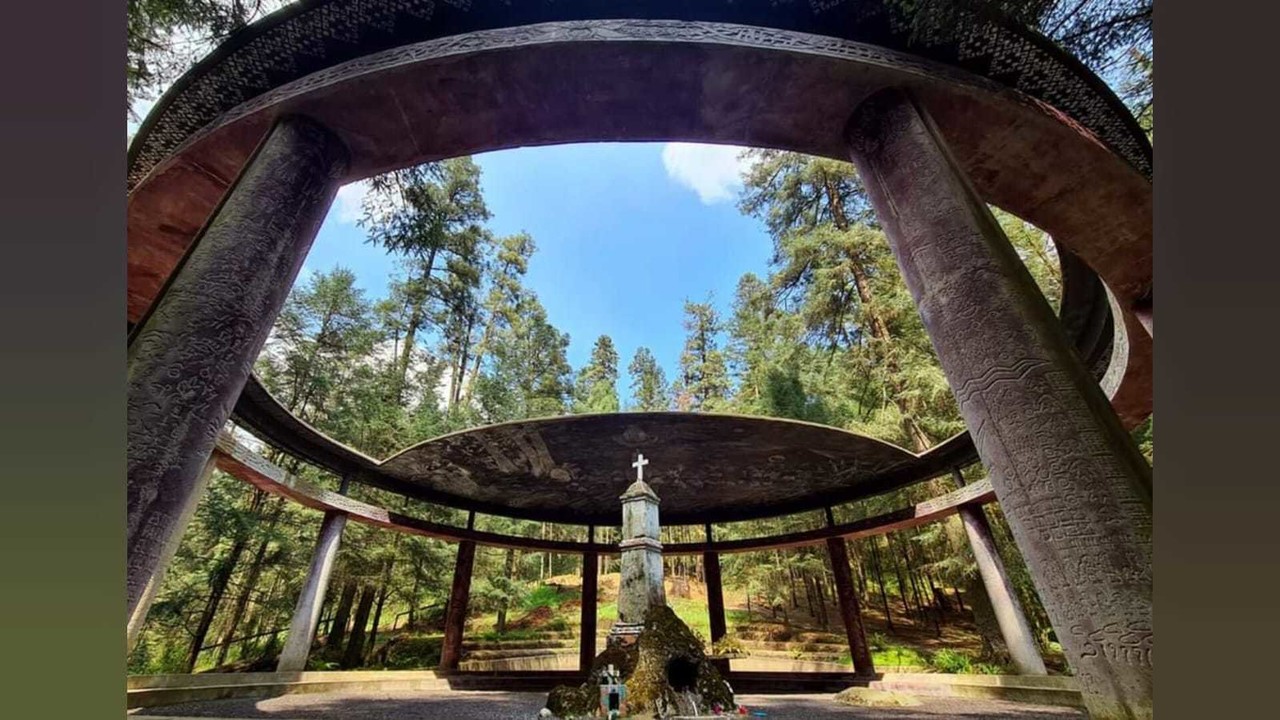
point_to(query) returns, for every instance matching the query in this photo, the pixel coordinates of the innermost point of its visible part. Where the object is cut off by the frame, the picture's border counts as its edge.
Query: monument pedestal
(640, 587)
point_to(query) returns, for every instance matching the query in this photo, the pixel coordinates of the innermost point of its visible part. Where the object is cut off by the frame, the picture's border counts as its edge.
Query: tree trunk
(508, 571)
(884, 599)
(902, 583)
(377, 614)
(218, 581)
(250, 582)
(879, 329)
(355, 645)
(338, 628)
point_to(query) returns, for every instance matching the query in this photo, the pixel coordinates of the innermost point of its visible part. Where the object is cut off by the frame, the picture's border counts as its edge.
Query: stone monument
(640, 586)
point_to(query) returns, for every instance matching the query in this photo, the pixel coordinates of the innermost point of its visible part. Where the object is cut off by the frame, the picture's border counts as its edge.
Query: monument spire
(641, 548)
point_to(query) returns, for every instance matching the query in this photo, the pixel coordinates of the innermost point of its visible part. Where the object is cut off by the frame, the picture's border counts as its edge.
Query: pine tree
(596, 388)
(649, 390)
(704, 374)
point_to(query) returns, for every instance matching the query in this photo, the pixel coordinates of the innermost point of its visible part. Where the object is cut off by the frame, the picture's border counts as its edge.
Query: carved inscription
(1068, 478)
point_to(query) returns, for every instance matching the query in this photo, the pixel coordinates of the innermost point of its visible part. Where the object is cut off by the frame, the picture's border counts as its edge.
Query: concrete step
(1039, 689)
(518, 644)
(815, 647)
(791, 655)
(158, 690)
(516, 653)
(525, 664)
(528, 681)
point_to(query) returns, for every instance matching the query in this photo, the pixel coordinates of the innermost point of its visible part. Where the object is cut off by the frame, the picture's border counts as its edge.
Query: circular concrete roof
(705, 467)
(407, 81)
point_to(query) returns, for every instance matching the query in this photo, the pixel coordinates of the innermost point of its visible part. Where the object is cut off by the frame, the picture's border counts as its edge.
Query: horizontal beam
(240, 462)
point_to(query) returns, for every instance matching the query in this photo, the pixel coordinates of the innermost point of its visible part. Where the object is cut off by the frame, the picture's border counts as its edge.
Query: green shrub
(950, 661)
(542, 596)
(729, 646)
(878, 641)
(990, 669)
(411, 653)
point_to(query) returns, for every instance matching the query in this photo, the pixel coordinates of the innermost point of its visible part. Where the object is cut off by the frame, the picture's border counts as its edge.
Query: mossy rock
(868, 697)
(569, 701)
(665, 639)
(644, 667)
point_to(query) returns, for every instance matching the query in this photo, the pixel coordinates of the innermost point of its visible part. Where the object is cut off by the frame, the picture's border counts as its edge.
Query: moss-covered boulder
(671, 666)
(663, 670)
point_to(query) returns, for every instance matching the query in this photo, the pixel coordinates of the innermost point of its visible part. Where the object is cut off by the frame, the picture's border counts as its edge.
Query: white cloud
(712, 171)
(349, 200)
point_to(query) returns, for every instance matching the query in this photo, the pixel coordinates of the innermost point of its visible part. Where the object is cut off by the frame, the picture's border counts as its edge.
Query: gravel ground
(457, 705)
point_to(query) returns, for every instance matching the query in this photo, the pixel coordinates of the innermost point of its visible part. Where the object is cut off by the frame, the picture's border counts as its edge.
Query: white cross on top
(639, 466)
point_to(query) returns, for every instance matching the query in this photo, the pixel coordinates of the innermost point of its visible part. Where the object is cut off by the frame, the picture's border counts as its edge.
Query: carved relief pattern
(342, 39)
(190, 361)
(1068, 478)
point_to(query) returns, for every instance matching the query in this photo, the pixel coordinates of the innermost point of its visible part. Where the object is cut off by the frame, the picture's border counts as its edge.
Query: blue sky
(625, 233)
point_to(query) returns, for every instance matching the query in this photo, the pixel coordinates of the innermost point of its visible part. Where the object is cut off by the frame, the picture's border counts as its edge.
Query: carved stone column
(455, 617)
(190, 358)
(590, 596)
(850, 608)
(139, 615)
(306, 613)
(1075, 490)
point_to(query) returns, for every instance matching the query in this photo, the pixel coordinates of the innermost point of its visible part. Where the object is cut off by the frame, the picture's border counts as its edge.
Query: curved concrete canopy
(407, 81)
(705, 467)
(249, 467)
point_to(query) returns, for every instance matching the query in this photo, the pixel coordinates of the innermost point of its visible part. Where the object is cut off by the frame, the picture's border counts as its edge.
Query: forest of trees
(829, 334)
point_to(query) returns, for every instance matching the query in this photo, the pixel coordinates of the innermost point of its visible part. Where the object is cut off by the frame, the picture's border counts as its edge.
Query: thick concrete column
(306, 613)
(455, 618)
(139, 615)
(590, 596)
(1014, 627)
(190, 358)
(850, 608)
(1075, 490)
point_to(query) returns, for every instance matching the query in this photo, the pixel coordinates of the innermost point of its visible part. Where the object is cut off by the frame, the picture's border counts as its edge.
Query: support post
(192, 355)
(455, 619)
(1004, 600)
(850, 609)
(715, 601)
(590, 595)
(306, 613)
(139, 616)
(1075, 490)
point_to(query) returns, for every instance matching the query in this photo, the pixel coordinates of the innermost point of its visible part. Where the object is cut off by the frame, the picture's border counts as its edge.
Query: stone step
(790, 655)
(815, 647)
(531, 681)
(157, 690)
(518, 644)
(1041, 690)
(517, 653)
(519, 665)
